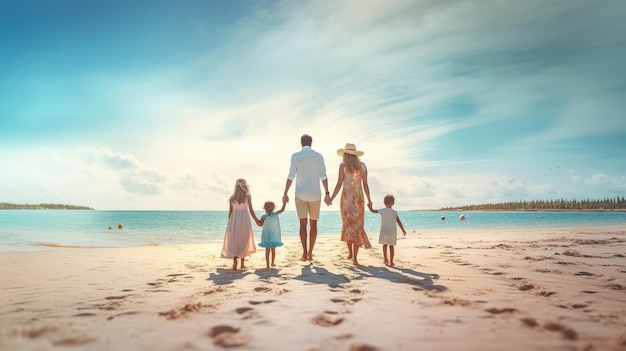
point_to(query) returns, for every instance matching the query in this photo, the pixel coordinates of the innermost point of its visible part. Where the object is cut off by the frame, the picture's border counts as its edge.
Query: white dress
(238, 239)
(388, 227)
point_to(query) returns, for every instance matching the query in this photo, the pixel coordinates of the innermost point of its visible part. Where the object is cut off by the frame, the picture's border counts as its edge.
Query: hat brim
(341, 152)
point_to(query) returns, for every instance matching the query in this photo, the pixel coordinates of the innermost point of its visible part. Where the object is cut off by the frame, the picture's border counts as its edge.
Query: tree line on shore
(616, 203)
(8, 206)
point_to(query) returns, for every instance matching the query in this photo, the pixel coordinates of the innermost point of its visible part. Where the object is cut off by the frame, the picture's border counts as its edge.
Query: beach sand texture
(509, 289)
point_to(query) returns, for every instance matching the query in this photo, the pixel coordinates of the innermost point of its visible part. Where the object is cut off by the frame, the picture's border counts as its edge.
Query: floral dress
(353, 209)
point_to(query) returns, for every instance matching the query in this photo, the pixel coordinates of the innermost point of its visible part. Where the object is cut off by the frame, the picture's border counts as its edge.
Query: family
(307, 170)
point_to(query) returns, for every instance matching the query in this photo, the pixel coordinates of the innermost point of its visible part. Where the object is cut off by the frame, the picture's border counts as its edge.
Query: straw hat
(349, 149)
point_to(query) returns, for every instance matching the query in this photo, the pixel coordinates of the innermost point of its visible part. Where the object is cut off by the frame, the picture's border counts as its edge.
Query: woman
(353, 179)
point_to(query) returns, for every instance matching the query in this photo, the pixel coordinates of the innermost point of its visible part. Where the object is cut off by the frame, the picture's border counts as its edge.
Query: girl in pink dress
(353, 180)
(239, 239)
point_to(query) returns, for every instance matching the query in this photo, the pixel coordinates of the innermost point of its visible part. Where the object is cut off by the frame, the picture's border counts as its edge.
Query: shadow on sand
(425, 281)
(225, 276)
(420, 281)
(320, 275)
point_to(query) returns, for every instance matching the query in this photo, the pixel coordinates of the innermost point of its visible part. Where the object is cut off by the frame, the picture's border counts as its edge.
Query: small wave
(43, 244)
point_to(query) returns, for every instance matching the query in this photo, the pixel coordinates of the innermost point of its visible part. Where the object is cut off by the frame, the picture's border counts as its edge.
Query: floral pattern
(353, 210)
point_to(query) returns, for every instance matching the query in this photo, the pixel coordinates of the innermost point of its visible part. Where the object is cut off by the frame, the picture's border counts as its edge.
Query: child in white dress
(270, 235)
(388, 230)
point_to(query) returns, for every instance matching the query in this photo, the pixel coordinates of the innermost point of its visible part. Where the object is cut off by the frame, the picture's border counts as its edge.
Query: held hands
(327, 200)
(404, 232)
(285, 198)
(369, 205)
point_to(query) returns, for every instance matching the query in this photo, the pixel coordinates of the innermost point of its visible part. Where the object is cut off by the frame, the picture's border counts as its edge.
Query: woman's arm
(366, 186)
(339, 181)
(230, 208)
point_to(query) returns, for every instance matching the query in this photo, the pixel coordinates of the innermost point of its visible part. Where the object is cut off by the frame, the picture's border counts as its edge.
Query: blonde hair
(389, 200)
(240, 194)
(352, 162)
(269, 206)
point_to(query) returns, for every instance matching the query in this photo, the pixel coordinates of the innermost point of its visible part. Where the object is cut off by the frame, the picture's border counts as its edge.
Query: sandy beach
(509, 289)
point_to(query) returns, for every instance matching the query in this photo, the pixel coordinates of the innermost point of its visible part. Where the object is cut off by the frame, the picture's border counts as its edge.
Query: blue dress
(270, 235)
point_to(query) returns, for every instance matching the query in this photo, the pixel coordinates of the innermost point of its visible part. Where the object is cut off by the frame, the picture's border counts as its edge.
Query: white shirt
(310, 169)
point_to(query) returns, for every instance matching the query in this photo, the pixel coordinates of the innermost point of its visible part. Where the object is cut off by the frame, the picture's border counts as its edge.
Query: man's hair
(389, 200)
(306, 140)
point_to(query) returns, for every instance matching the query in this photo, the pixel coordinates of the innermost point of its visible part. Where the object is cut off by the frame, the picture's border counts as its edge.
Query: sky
(145, 105)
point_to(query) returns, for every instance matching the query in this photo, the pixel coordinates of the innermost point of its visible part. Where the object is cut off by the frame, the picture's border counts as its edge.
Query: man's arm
(287, 186)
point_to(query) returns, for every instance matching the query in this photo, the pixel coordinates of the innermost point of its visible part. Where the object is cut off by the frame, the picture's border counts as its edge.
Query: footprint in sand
(116, 297)
(567, 333)
(262, 289)
(362, 347)
(86, 314)
(184, 311)
(351, 301)
(247, 312)
(130, 313)
(73, 341)
(491, 271)
(325, 320)
(227, 336)
(260, 302)
(501, 310)
(219, 289)
(457, 302)
(530, 322)
(586, 274)
(526, 287)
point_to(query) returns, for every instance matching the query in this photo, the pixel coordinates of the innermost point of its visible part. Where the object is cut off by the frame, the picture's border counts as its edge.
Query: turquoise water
(23, 230)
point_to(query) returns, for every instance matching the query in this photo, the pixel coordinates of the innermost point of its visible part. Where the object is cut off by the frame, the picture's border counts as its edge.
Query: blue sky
(163, 105)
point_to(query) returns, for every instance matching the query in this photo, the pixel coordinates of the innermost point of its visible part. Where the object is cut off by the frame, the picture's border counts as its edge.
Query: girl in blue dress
(270, 235)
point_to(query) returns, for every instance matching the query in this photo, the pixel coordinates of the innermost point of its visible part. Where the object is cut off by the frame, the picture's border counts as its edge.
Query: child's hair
(269, 206)
(389, 200)
(241, 191)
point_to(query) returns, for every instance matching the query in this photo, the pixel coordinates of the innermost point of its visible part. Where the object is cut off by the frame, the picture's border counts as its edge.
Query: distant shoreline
(533, 210)
(9, 206)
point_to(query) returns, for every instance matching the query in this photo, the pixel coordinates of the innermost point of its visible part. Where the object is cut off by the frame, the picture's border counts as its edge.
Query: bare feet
(235, 263)
(310, 258)
(349, 257)
(386, 262)
(303, 258)
(392, 264)
(242, 266)
(355, 262)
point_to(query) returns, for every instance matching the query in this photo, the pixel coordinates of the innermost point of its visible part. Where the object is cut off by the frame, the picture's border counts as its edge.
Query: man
(307, 169)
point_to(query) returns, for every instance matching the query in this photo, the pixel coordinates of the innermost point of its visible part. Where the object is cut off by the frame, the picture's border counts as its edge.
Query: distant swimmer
(120, 226)
(443, 218)
(462, 217)
(110, 227)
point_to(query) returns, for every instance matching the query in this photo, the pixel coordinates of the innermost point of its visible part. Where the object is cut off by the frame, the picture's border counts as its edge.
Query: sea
(45, 230)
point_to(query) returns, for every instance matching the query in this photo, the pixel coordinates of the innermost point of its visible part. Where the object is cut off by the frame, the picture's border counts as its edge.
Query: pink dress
(238, 239)
(353, 208)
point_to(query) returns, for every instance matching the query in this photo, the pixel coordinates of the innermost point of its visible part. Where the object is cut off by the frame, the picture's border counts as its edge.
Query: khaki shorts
(308, 209)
